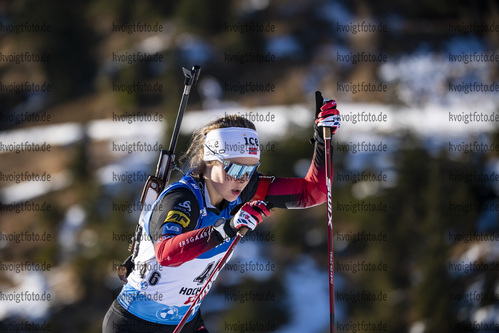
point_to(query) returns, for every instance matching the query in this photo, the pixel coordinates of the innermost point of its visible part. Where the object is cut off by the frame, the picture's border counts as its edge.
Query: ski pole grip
(326, 131)
(242, 231)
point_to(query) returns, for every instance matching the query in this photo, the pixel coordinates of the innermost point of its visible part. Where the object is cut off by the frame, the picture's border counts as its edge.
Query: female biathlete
(193, 222)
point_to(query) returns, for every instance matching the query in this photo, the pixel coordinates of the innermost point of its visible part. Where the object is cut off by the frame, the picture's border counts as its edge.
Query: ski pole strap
(263, 187)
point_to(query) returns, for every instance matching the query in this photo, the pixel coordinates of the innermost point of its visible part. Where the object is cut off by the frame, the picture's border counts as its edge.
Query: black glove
(125, 269)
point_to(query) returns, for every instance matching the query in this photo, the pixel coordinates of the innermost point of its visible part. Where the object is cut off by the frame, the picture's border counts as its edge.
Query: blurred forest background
(432, 265)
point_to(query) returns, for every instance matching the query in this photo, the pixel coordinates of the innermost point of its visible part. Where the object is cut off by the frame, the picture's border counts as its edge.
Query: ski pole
(329, 177)
(211, 279)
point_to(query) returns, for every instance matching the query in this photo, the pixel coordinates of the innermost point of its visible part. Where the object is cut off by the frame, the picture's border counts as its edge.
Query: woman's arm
(301, 192)
(173, 251)
(311, 190)
(172, 228)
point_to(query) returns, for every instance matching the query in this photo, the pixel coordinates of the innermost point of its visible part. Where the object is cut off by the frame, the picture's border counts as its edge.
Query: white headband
(231, 142)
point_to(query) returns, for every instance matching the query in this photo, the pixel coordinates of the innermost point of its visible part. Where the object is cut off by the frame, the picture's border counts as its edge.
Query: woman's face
(222, 186)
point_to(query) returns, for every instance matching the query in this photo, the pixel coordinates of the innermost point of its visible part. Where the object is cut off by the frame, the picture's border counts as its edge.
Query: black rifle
(155, 184)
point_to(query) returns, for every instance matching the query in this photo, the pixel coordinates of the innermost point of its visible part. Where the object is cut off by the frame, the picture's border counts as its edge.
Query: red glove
(328, 116)
(250, 215)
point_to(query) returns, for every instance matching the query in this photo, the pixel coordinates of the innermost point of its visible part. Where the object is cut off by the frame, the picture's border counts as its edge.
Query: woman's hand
(250, 215)
(326, 114)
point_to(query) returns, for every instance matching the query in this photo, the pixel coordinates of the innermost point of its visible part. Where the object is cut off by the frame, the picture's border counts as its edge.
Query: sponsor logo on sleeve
(171, 228)
(186, 204)
(184, 207)
(178, 217)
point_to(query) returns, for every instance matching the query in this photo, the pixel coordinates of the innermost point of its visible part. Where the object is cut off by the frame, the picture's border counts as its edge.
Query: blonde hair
(193, 158)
